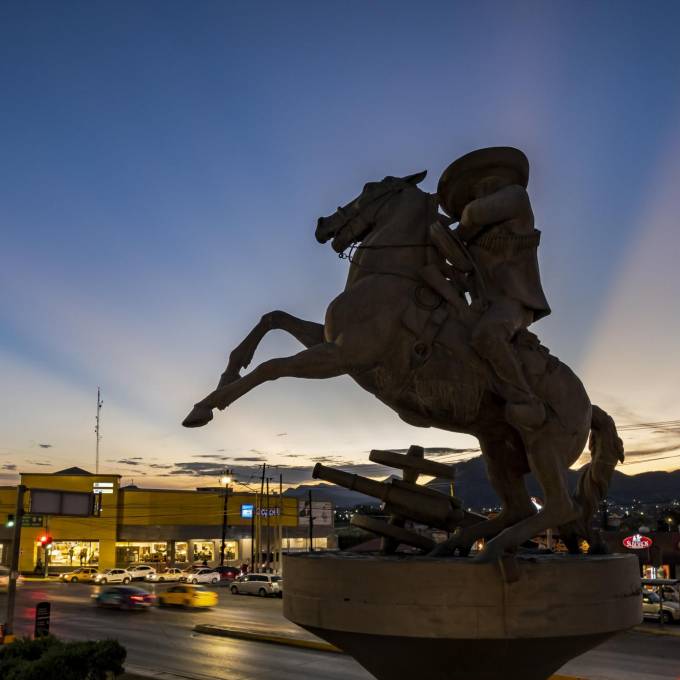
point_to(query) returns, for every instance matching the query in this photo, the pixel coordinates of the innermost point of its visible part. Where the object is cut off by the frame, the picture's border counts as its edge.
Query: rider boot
(523, 408)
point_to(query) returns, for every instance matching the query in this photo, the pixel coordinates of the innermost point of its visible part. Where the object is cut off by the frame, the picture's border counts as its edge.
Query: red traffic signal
(45, 540)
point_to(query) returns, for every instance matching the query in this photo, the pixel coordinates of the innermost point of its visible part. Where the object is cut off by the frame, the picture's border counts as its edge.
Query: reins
(354, 246)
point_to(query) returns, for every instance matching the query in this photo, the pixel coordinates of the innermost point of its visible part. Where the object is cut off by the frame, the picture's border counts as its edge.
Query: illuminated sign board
(248, 509)
(102, 487)
(637, 542)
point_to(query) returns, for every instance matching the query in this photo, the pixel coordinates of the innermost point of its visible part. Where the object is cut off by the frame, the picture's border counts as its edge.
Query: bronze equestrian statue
(433, 322)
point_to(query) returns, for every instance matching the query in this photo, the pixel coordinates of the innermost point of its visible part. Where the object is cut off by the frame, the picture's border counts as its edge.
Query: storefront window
(131, 553)
(663, 571)
(203, 551)
(74, 553)
(181, 551)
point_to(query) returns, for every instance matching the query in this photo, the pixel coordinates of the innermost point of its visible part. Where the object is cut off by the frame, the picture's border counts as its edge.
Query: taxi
(81, 575)
(186, 595)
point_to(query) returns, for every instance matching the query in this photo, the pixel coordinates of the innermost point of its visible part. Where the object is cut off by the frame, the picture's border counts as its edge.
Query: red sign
(637, 542)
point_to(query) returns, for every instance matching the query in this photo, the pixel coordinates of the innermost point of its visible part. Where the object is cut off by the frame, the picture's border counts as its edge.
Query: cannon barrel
(418, 464)
(406, 500)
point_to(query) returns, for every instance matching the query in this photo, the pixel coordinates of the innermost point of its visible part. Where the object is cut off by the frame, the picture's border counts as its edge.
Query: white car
(113, 576)
(201, 575)
(141, 571)
(264, 585)
(167, 575)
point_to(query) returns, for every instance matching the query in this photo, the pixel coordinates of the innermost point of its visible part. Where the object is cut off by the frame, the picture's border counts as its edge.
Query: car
(200, 575)
(172, 574)
(124, 597)
(80, 575)
(186, 595)
(264, 585)
(228, 573)
(113, 576)
(650, 607)
(141, 571)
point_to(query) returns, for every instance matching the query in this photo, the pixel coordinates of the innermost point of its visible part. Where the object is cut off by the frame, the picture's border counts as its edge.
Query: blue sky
(165, 163)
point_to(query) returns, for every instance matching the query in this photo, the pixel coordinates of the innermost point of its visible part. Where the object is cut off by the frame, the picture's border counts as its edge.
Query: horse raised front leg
(318, 362)
(308, 333)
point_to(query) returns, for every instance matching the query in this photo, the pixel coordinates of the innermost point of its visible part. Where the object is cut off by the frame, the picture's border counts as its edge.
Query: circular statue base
(453, 619)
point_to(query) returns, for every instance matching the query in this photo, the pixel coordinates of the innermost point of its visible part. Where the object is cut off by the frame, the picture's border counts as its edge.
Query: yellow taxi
(187, 595)
(82, 575)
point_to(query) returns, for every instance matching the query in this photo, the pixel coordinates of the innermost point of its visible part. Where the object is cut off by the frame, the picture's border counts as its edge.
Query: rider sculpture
(485, 191)
(446, 346)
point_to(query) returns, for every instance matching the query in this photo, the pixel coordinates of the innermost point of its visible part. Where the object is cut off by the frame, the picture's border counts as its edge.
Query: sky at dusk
(164, 164)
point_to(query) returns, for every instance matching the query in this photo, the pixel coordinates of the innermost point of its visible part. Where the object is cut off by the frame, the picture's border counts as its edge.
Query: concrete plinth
(452, 619)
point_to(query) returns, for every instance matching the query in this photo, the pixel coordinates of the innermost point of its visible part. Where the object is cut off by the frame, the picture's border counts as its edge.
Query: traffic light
(10, 521)
(45, 540)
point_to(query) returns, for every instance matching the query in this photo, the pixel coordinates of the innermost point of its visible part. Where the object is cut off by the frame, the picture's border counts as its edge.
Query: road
(163, 639)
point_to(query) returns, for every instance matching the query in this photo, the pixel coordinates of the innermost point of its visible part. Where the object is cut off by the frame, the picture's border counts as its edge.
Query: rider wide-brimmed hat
(456, 185)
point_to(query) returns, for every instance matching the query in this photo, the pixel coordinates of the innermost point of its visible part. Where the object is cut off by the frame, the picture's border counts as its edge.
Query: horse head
(353, 222)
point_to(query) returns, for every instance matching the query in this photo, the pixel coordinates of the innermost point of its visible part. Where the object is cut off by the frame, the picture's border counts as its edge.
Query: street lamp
(225, 479)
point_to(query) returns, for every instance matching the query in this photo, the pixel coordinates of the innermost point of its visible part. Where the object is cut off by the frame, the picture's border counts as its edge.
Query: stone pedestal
(452, 619)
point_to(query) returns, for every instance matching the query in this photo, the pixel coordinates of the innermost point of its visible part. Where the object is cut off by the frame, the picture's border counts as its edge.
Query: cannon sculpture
(404, 499)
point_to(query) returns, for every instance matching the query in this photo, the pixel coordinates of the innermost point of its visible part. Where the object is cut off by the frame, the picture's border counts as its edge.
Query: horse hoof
(199, 416)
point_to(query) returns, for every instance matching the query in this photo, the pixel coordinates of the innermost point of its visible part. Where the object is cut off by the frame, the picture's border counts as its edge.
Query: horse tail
(606, 450)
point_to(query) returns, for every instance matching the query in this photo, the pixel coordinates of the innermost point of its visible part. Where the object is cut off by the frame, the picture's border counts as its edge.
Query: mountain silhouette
(473, 487)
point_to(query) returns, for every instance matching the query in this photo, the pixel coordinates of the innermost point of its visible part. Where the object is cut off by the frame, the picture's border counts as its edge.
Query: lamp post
(225, 479)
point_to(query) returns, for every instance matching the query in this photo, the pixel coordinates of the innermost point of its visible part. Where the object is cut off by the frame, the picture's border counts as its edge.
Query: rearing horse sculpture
(408, 342)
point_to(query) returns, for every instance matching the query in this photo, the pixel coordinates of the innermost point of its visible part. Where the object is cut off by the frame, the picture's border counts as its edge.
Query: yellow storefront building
(131, 525)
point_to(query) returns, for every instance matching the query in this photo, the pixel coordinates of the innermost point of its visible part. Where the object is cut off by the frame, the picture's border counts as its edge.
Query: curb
(241, 634)
(666, 630)
(133, 672)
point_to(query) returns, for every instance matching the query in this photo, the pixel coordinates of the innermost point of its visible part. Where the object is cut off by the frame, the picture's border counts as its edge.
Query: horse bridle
(354, 214)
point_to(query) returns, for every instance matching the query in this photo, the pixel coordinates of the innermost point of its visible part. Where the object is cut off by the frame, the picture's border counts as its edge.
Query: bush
(47, 658)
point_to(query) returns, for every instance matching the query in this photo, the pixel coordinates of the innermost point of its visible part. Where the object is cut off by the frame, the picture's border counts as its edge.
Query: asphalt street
(163, 639)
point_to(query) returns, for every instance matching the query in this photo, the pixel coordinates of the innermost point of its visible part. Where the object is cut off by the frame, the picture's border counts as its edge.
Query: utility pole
(269, 533)
(97, 430)
(259, 518)
(252, 535)
(311, 523)
(280, 526)
(226, 479)
(8, 629)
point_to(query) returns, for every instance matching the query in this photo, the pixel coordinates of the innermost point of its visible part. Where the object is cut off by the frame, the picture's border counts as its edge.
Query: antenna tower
(97, 430)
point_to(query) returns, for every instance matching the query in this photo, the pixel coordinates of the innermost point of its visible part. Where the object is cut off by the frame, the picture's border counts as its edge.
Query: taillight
(137, 598)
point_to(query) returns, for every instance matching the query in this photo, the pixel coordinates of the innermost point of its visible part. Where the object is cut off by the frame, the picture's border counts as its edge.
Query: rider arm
(509, 205)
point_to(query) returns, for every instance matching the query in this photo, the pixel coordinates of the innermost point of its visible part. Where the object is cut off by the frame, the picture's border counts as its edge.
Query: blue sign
(247, 511)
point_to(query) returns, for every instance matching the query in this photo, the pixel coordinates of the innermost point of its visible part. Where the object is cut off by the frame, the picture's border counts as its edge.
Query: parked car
(113, 576)
(124, 597)
(188, 596)
(264, 585)
(172, 574)
(200, 575)
(82, 575)
(141, 571)
(228, 573)
(650, 607)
